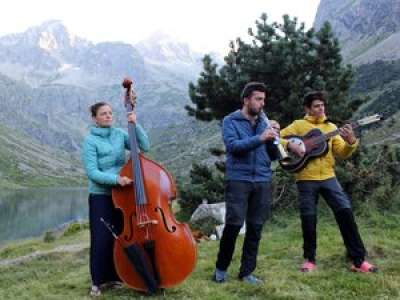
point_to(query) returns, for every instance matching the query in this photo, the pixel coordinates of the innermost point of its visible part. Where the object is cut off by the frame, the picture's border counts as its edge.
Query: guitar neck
(328, 135)
(359, 123)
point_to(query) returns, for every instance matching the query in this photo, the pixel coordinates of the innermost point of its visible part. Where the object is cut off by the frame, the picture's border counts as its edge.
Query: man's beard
(254, 112)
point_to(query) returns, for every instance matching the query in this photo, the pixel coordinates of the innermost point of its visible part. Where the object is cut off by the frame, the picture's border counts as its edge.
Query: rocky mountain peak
(367, 29)
(51, 36)
(160, 47)
(49, 53)
(54, 35)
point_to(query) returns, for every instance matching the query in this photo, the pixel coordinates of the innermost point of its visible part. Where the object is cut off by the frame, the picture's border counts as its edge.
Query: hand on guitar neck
(347, 133)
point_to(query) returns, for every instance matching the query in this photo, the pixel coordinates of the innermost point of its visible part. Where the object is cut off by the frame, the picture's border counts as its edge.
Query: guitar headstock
(130, 94)
(370, 120)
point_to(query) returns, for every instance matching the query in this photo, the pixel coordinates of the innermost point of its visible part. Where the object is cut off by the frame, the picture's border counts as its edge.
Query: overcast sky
(207, 25)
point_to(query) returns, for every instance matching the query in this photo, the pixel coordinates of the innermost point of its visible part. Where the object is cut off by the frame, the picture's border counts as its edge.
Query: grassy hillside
(59, 269)
(177, 147)
(387, 133)
(379, 84)
(25, 162)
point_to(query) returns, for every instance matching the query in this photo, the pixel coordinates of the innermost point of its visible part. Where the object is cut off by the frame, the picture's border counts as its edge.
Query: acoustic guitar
(315, 144)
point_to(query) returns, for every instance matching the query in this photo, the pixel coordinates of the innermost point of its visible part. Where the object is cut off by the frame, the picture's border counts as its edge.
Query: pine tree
(289, 59)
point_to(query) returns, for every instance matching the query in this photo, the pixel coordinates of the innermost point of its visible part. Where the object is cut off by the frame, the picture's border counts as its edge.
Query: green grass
(66, 275)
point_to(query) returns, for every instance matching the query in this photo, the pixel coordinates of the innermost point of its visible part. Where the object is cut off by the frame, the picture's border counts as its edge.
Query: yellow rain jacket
(319, 168)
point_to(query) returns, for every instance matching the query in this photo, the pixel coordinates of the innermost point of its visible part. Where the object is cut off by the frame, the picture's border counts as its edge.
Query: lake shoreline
(28, 212)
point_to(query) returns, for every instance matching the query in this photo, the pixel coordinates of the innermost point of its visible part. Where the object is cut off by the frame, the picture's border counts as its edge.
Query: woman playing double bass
(103, 156)
(154, 251)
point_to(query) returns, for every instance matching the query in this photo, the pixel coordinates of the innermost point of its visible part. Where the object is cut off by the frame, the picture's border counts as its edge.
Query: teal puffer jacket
(103, 155)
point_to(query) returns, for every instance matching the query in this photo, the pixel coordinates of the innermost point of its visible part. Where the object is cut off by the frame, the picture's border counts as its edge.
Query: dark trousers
(245, 202)
(339, 202)
(102, 268)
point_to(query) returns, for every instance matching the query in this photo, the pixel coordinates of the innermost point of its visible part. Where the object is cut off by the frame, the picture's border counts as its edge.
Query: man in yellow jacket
(318, 178)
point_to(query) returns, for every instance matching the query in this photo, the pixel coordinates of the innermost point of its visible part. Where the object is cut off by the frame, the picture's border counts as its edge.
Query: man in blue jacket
(249, 144)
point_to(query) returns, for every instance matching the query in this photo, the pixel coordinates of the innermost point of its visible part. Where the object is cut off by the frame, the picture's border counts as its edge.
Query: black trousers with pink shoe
(339, 202)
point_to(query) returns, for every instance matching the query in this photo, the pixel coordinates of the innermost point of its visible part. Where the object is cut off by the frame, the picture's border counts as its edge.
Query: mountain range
(60, 75)
(368, 30)
(50, 54)
(369, 36)
(49, 77)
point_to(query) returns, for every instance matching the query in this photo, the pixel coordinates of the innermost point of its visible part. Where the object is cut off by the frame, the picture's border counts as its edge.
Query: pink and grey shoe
(365, 267)
(308, 266)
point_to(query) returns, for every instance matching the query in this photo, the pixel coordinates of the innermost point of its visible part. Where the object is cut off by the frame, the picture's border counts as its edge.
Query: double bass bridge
(147, 222)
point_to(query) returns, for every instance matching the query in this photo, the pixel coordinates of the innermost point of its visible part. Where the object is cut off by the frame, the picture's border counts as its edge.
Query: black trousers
(102, 268)
(339, 202)
(245, 202)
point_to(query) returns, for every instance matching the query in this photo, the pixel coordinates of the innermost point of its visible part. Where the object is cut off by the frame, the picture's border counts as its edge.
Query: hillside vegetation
(24, 162)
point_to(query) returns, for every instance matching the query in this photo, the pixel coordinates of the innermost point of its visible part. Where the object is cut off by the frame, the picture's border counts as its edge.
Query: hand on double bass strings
(347, 133)
(123, 180)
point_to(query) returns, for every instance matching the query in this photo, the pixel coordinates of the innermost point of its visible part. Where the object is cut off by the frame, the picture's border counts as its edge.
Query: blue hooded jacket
(247, 159)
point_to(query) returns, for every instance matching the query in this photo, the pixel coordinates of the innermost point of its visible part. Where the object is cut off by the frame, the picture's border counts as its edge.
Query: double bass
(163, 250)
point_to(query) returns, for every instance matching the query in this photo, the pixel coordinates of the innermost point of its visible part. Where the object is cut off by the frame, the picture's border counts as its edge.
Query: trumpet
(282, 152)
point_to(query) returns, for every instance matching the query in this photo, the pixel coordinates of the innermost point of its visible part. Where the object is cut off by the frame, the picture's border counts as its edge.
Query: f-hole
(173, 228)
(128, 237)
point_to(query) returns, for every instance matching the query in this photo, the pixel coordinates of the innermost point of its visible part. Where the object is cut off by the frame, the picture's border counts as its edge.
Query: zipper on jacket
(255, 151)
